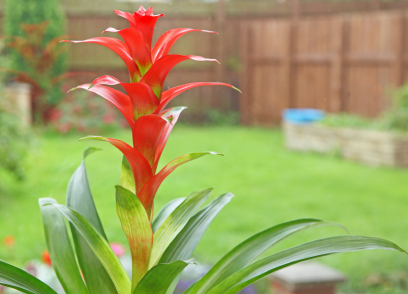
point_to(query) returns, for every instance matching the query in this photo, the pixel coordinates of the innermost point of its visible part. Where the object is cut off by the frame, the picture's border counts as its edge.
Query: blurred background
(347, 58)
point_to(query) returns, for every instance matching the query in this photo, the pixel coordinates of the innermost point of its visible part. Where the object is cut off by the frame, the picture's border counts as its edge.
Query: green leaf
(13, 277)
(189, 289)
(79, 196)
(100, 247)
(187, 240)
(158, 279)
(175, 222)
(165, 212)
(80, 199)
(60, 249)
(136, 226)
(249, 250)
(306, 251)
(127, 179)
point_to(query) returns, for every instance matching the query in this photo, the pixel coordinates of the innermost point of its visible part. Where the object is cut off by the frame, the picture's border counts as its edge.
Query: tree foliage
(18, 12)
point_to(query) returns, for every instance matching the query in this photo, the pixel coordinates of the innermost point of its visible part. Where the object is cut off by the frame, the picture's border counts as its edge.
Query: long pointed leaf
(136, 226)
(176, 222)
(60, 249)
(187, 240)
(160, 277)
(303, 252)
(249, 250)
(100, 247)
(189, 289)
(79, 198)
(16, 278)
(165, 212)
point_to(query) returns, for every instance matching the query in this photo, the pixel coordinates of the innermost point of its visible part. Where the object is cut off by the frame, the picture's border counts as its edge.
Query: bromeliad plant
(161, 247)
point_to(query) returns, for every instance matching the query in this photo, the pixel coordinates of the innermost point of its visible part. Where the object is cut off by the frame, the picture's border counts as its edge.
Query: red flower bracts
(144, 103)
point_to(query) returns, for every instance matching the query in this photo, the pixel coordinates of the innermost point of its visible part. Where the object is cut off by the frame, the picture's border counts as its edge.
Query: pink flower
(117, 248)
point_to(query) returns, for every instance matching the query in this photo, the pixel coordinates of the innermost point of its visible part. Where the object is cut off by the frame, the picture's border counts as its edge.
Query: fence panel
(343, 62)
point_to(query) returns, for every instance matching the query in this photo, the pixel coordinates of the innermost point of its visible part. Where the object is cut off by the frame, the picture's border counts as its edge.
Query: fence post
(339, 35)
(295, 17)
(245, 105)
(400, 37)
(220, 20)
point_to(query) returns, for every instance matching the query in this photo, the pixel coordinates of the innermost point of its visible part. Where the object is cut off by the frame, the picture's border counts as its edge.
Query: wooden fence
(334, 56)
(338, 63)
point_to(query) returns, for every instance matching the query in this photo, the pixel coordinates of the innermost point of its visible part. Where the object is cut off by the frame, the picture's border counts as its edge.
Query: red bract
(142, 20)
(137, 48)
(136, 51)
(144, 105)
(140, 95)
(121, 49)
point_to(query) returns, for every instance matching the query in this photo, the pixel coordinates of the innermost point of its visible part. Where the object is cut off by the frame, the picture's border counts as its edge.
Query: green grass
(271, 185)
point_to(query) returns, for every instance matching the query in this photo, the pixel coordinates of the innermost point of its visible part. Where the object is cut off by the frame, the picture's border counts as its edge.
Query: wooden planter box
(375, 148)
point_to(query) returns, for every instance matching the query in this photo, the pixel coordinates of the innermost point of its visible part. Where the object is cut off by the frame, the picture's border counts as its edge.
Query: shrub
(13, 136)
(47, 22)
(13, 141)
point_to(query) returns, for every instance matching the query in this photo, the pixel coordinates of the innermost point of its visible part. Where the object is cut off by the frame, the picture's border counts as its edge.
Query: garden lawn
(271, 185)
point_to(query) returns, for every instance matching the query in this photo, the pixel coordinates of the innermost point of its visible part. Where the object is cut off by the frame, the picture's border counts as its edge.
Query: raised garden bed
(371, 147)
